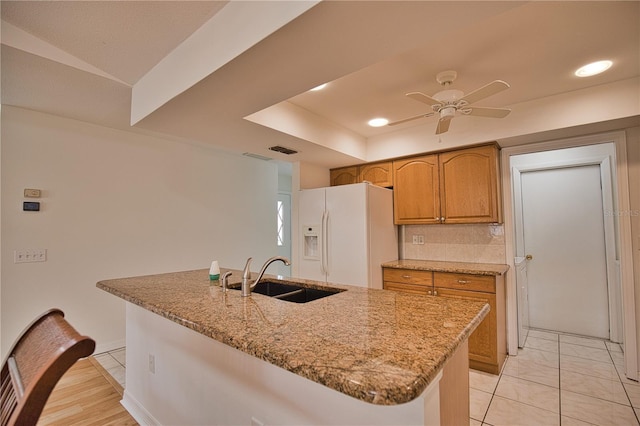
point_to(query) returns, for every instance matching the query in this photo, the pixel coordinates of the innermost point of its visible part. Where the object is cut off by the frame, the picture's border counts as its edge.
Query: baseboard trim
(137, 411)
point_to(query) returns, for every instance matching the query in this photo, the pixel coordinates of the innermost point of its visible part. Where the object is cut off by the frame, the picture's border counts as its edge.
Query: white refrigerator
(346, 233)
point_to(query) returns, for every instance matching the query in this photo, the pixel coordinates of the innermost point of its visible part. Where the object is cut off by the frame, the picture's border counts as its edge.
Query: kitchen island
(198, 355)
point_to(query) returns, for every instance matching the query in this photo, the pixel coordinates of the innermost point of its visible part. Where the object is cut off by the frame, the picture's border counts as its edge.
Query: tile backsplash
(478, 243)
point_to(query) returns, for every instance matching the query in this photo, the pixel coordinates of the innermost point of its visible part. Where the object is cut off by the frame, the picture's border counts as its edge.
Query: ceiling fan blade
(428, 114)
(485, 91)
(443, 125)
(421, 97)
(489, 112)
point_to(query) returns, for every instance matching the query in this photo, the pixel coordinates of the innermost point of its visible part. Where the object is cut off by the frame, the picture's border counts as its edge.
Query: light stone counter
(379, 346)
(452, 267)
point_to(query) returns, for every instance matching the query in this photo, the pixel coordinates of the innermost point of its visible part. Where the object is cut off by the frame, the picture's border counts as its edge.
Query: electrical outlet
(29, 255)
(152, 364)
(418, 239)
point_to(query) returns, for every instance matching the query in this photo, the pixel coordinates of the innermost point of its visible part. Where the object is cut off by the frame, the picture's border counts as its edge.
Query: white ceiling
(371, 52)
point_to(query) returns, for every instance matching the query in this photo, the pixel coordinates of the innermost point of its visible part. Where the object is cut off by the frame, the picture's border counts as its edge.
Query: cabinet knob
(406, 276)
(435, 292)
(429, 292)
(528, 257)
(463, 282)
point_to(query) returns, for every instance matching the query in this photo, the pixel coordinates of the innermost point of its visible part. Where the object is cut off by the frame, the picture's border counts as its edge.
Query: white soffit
(233, 30)
(289, 118)
(19, 39)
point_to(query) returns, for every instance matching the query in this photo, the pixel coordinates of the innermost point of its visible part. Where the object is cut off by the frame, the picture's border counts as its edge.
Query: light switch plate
(29, 255)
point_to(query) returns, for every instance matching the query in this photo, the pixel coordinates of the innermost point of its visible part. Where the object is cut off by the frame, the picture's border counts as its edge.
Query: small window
(280, 210)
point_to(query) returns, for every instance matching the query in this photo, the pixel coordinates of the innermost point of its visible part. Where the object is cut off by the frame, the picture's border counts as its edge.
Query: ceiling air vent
(283, 150)
(258, 156)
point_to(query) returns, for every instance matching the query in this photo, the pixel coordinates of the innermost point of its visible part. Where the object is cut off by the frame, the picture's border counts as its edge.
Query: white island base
(176, 376)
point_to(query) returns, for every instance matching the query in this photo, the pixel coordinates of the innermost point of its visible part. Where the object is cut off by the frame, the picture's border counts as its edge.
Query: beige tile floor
(114, 362)
(557, 379)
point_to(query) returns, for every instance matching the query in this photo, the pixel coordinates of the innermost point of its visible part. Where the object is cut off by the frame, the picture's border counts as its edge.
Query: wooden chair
(45, 350)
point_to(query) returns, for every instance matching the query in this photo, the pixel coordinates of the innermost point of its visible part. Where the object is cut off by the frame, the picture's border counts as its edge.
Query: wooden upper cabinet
(416, 188)
(380, 174)
(459, 186)
(469, 185)
(344, 176)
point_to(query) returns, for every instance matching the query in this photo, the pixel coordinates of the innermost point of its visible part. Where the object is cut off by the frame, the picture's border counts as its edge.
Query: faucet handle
(225, 281)
(246, 274)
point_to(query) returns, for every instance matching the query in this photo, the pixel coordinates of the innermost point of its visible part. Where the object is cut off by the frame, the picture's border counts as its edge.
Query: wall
(455, 243)
(118, 204)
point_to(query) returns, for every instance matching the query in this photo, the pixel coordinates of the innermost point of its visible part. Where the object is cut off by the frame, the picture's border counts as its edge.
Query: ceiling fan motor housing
(449, 96)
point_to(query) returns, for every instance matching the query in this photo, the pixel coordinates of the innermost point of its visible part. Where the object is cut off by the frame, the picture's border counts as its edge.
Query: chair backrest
(45, 350)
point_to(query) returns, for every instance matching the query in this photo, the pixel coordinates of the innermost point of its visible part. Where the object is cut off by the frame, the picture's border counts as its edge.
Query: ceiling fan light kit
(447, 113)
(448, 102)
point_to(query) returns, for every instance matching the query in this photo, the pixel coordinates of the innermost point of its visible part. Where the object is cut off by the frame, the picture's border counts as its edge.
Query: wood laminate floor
(86, 395)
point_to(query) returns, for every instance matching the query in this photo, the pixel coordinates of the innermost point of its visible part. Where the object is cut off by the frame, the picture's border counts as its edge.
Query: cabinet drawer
(407, 288)
(484, 283)
(408, 276)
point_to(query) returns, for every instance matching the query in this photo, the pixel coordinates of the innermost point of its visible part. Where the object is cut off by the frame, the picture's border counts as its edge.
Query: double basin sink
(290, 292)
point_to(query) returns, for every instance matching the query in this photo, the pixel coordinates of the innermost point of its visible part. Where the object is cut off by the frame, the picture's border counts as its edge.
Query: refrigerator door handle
(325, 243)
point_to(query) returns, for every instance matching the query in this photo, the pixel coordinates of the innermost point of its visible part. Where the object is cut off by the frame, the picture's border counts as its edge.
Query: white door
(283, 213)
(563, 224)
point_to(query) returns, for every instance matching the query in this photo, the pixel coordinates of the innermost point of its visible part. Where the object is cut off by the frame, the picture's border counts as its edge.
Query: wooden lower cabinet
(487, 344)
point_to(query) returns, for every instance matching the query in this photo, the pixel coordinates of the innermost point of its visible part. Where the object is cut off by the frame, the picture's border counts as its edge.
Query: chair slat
(16, 380)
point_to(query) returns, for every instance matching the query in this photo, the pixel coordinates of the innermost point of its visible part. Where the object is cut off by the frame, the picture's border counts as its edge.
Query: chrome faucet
(225, 281)
(247, 286)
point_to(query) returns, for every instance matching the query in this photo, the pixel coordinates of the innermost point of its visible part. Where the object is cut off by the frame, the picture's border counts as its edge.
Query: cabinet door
(379, 174)
(344, 176)
(483, 341)
(469, 185)
(416, 197)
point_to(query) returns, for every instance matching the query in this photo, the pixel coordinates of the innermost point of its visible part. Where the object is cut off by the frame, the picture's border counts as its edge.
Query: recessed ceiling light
(315, 89)
(378, 122)
(593, 68)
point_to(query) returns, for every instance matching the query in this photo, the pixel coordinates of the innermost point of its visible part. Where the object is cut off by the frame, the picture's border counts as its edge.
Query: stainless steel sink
(290, 292)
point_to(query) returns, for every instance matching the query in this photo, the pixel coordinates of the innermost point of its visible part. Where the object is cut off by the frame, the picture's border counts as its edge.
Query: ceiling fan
(448, 102)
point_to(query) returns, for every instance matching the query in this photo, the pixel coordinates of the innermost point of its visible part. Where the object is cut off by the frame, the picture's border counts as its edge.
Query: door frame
(622, 226)
(604, 163)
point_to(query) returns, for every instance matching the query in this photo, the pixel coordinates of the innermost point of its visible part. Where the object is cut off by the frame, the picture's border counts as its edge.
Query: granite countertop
(454, 267)
(380, 346)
